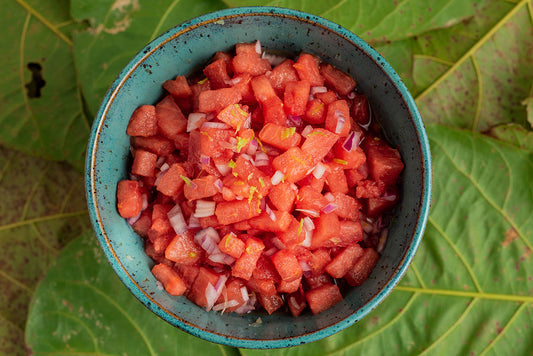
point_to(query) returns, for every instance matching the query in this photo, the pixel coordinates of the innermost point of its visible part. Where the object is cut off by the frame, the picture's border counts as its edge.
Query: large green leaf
(468, 289)
(119, 29)
(81, 307)
(49, 120)
(43, 207)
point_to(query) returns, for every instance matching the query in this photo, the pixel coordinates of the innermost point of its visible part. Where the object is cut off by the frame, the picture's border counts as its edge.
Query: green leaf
(43, 207)
(485, 85)
(382, 20)
(42, 111)
(119, 29)
(469, 287)
(513, 134)
(81, 307)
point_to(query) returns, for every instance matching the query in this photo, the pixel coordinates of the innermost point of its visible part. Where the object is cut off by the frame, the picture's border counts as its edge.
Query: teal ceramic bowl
(180, 51)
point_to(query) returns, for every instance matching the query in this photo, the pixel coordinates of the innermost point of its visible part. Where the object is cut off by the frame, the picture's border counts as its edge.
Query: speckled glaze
(179, 52)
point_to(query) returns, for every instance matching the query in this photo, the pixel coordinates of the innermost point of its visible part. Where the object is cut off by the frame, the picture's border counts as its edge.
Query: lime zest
(340, 161)
(288, 132)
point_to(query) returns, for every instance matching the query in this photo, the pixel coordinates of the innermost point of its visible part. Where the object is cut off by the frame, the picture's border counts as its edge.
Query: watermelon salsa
(260, 183)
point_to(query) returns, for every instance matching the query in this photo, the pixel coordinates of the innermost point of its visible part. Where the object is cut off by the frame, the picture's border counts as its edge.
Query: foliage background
(469, 65)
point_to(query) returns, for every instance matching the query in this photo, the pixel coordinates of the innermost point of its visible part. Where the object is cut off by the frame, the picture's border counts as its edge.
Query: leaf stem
(42, 218)
(471, 51)
(465, 294)
(47, 23)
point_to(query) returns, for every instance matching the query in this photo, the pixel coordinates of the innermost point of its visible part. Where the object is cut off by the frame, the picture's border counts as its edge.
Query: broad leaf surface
(47, 121)
(43, 207)
(118, 30)
(81, 307)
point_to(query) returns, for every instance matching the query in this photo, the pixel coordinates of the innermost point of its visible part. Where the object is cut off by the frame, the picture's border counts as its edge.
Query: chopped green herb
(186, 180)
(340, 161)
(300, 227)
(231, 163)
(286, 133)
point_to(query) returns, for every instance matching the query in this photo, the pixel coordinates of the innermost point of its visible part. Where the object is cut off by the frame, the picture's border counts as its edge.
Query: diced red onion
(308, 237)
(248, 306)
(233, 81)
(319, 170)
(352, 141)
(308, 224)
(224, 305)
(330, 197)
(215, 125)
(277, 177)
(312, 213)
(219, 185)
(382, 240)
(244, 293)
(247, 123)
(271, 251)
(144, 199)
(159, 285)
(176, 219)
(262, 203)
(258, 47)
(261, 159)
(159, 176)
(194, 222)
(351, 95)
(389, 195)
(205, 160)
(305, 267)
(307, 130)
(294, 187)
(329, 208)
(367, 227)
(246, 157)
(277, 242)
(221, 257)
(204, 208)
(208, 239)
(211, 296)
(273, 59)
(159, 162)
(134, 219)
(252, 147)
(341, 120)
(220, 283)
(293, 120)
(318, 89)
(270, 213)
(194, 120)
(223, 169)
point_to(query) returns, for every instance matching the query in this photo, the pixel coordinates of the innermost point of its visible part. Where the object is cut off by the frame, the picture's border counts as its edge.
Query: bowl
(181, 51)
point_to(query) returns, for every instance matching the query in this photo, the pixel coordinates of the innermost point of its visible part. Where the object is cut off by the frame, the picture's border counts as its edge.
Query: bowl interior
(183, 50)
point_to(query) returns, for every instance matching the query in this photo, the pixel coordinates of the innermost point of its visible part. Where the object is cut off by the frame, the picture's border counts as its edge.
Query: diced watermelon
(307, 67)
(232, 245)
(217, 99)
(282, 196)
(197, 293)
(238, 210)
(234, 291)
(200, 188)
(217, 73)
(315, 112)
(155, 144)
(350, 159)
(323, 298)
(245, 265)
(129, 198)
(287, 265)
(297, 303)
(215, 143)
(144, 163)
(327, 97)
(347, 206)
(171, 181)
(242, 83)
(143, 122)
(182, 249)
(384, 162)
(289, 286)
(170, 119)
(327, 228)
(178, 88)
(160, 222)
(258, 181)
(338, 118)
(279, 136)
(265, 269)
(293, 163)
(262, 89)
(344, 261)
(170, 279)
(248, 62)
(310, 199)
(318, 143)
(273, 111)
(264, 222)
(363, 267)
(234, 115)
(360, 109)
(337, 79)
(376, 206)
(142, 225)
(296, 96)
(370, 189)
(318, 261)
(336, 179)
(318, 280)
(294, 234)
(281, 74)
(271, 303)
(350, 232)
(263, 286)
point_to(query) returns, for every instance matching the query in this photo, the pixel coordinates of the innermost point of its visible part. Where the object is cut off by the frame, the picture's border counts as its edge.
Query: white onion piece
(208, 239)
(248, 122)
(351, 95)
(233, 81)
(221, 257)
(205, 160)
(164, 167)
(382, 240)
(273, 59)
(244, 293)
(330, 207)
(277, 177)
(278, 243)
(210, 296)
(271, 251)
(341, 121)
(223, 169)
(215, 125)
(307, 130)
(318, 89)
(261, 159)
(194, 222)
(258, 47)
(204, 208)
(219, 185)
(308, 237)
(312, 213)
(252, 147)
(160, 161)
(248, 306)
(270, 213)
(175, 216)
(134, 219)
(194, 120)
(144, 204)
(308, 224)
(305, 267)
(159, 176)
(319, 170)
(246, 157)
(224, 305)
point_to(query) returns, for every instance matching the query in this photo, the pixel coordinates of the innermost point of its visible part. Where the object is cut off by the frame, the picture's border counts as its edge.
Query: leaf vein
(163, 18)
(42, 218)
(466, 294)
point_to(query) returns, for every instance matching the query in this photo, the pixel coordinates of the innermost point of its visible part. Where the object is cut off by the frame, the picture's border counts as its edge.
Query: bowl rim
(129, 281)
